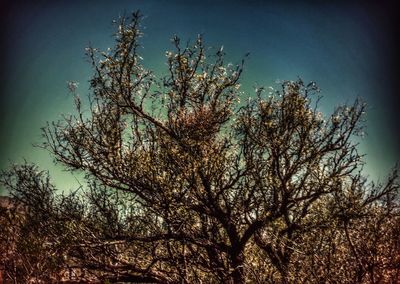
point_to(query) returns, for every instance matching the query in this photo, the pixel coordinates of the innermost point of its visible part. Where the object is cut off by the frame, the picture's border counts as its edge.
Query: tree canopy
(186, 184)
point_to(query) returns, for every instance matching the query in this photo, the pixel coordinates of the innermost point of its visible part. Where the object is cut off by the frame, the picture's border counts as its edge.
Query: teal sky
(347, 48)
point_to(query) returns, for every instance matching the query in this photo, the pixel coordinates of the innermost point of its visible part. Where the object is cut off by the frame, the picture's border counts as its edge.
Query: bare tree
(185, 184)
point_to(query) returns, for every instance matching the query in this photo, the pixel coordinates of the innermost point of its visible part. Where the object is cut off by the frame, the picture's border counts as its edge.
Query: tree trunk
(238, 274)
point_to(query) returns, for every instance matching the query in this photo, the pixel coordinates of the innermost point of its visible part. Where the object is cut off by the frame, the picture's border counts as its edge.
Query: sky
(347, 48)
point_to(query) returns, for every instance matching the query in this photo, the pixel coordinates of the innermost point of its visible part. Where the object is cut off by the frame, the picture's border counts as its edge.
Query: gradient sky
(347, 48)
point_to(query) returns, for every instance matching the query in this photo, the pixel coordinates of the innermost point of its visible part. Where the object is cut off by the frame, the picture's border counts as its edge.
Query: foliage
(185, 184)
